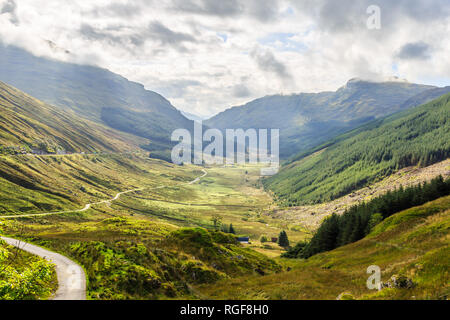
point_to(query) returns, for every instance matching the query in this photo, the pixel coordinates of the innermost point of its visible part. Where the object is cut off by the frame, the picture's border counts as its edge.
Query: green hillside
(24, 276)
(309, 119)
(146, 244)
(411, 245)
(420, 136)
(27, 123)
(93, 93)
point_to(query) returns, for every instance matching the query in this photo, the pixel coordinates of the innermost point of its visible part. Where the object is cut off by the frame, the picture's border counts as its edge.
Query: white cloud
(208, 55)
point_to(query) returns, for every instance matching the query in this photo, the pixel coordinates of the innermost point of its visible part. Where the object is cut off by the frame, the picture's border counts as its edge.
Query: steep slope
(27, 124)
(425, 97)
(92, 92)
(308, 119)
(420, 136)
(411, 245)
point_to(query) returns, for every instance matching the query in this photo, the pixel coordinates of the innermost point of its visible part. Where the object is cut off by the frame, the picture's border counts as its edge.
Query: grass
(138, 246)
(413, 243)
(20, 263)
(145, 245)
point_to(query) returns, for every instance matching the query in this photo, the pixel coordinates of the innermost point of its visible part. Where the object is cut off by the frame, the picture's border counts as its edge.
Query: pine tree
(232, 231)
(283, 240)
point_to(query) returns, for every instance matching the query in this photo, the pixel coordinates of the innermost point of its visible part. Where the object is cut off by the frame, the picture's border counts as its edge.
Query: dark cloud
(241, 91)
(222, 8)
(349, 15)
(267, 62)
(10, 8)
(91, 33)
(131, 39)
(415, 51)
(420, 10)
(127, 10)
(261, 10)
(165, 35)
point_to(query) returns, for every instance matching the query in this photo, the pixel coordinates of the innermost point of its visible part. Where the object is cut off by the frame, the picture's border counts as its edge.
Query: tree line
(420, 136)
(358, 221)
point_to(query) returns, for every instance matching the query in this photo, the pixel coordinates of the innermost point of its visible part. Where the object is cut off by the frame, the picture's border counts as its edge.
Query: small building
(274, 240)
(245, 240)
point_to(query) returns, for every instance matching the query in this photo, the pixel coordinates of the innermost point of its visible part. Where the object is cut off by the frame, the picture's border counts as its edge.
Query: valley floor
(135, 245)
(130, 246)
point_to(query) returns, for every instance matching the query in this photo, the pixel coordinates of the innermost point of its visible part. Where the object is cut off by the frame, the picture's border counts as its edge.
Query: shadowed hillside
(94, 93)
(30, 125)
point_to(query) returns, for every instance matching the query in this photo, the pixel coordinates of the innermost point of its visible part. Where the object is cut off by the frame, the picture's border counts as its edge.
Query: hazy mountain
(94, 93)
(308, 119)
(29, 124)
(425, 97)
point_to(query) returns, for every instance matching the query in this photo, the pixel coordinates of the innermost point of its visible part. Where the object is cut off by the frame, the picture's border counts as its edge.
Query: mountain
(308, 119)
(28, 124)
(94, 93)
(425, 97)
(419, 136)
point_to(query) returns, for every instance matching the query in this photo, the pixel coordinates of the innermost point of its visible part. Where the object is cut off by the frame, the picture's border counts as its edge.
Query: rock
(215, 266)
(260, 271)
(399, 282)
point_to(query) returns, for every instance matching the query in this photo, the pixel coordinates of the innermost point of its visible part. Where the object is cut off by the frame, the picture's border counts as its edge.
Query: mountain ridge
(93, 93)
(361, 156)
(308, 119)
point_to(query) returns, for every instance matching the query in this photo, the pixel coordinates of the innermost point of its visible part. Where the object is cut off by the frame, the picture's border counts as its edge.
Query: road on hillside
(89, 205)
(71, 277)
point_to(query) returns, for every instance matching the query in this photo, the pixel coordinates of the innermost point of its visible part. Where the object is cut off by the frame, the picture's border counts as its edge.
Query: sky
(208, 55)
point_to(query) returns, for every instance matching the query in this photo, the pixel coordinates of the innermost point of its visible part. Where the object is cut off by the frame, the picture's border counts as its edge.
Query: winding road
(71, 277)
(89, 205)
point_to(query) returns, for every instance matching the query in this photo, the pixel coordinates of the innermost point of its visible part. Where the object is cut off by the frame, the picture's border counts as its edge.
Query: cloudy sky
(208, 55)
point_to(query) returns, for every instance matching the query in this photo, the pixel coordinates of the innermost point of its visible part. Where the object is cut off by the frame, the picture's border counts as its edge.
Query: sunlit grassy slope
(413, 243)
(27, 123)
(53, 183)
(24, 276)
